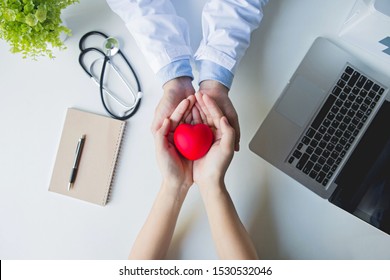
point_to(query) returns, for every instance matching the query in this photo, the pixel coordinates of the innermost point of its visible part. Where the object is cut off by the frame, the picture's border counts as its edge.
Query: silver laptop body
(279, 138)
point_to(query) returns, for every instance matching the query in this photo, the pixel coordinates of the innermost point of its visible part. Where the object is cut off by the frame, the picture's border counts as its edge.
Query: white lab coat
(163, 36)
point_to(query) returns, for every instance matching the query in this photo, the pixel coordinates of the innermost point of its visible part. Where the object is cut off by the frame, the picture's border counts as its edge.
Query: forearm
(227, 27)
(231, 239)
(155, 236)
(162, 35)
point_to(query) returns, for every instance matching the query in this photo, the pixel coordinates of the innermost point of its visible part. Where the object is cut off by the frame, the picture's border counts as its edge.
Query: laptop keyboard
(327, 140)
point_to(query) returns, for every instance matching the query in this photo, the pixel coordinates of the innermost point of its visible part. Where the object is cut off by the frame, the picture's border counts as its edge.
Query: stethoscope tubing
(127, 115)
(83, 51)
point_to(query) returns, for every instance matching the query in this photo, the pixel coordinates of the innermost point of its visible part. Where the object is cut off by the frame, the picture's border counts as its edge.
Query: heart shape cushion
(193, 141)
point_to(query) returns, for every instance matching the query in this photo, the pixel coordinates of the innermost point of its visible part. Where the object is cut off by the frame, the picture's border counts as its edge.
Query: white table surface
(285, 220)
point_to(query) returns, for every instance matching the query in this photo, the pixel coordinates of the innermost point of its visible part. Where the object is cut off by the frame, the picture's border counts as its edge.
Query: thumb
(228, 135)
(162, 133)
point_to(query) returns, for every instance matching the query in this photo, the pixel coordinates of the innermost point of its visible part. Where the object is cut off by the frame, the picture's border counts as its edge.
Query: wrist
(178, 88)
(212, 188)
(214, 89)
(184, 82)
(174, 190)
(213, 85)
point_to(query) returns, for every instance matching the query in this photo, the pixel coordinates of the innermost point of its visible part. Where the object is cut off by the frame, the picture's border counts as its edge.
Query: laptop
(330, 131)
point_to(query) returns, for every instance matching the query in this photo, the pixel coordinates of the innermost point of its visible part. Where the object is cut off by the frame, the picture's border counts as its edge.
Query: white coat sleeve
(160, 33)
(227, 26)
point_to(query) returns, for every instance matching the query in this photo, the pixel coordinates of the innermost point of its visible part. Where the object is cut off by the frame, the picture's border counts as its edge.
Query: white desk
(285, 220)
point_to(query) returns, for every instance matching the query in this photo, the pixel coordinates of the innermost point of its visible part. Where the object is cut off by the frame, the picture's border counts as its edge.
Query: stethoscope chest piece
(111, 46)
(120, 90)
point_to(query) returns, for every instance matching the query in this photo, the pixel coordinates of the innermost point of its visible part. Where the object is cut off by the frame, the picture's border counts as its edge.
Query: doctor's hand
(219, 93)
(176, 170)
(174, 92)
(209, 171)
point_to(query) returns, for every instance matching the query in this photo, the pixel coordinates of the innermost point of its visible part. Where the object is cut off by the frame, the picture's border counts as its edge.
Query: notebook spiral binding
(115, 162)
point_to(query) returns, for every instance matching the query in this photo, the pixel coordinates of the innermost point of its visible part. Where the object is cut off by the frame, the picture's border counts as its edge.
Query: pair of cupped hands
(180, 173)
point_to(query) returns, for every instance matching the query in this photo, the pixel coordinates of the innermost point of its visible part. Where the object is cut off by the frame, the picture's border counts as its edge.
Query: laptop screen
(364, 183)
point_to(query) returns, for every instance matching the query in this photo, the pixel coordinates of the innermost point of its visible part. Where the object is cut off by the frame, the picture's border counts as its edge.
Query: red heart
(193, 141)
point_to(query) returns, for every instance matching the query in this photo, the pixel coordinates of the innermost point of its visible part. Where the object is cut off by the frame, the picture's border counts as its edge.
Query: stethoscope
(109, 50)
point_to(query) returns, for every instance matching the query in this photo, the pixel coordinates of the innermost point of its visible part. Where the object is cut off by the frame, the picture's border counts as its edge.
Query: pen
(76, 162)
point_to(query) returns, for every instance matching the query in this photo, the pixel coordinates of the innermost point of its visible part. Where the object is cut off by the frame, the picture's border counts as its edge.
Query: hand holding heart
(210, 169)
(211, 149)
(175, 169)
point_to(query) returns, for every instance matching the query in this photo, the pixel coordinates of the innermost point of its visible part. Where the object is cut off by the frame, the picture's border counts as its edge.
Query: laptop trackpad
(300, 100)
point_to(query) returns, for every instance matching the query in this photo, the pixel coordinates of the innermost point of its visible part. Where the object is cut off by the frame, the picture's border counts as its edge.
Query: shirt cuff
(209, 70)
(175, 69)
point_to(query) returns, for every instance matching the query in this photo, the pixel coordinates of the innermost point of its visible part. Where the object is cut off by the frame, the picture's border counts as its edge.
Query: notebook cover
(103, 138)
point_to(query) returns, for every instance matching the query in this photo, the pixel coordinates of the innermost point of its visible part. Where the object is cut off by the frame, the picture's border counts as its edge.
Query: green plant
(33, 27)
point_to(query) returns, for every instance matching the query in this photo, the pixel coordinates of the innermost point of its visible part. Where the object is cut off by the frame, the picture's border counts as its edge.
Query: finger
(196, 117)
(233, 121)
(201, 113)
(200, 102)
(228, 135)
(192, 100)
(165, 127)
(162, 133)
(215, 112)
(170, 138)
(178, 114)
(187, 118)
(155, 125)
(207, 119)
(236, 127)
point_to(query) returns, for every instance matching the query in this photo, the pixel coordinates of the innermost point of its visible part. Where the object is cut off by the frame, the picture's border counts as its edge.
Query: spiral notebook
(98, 158)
